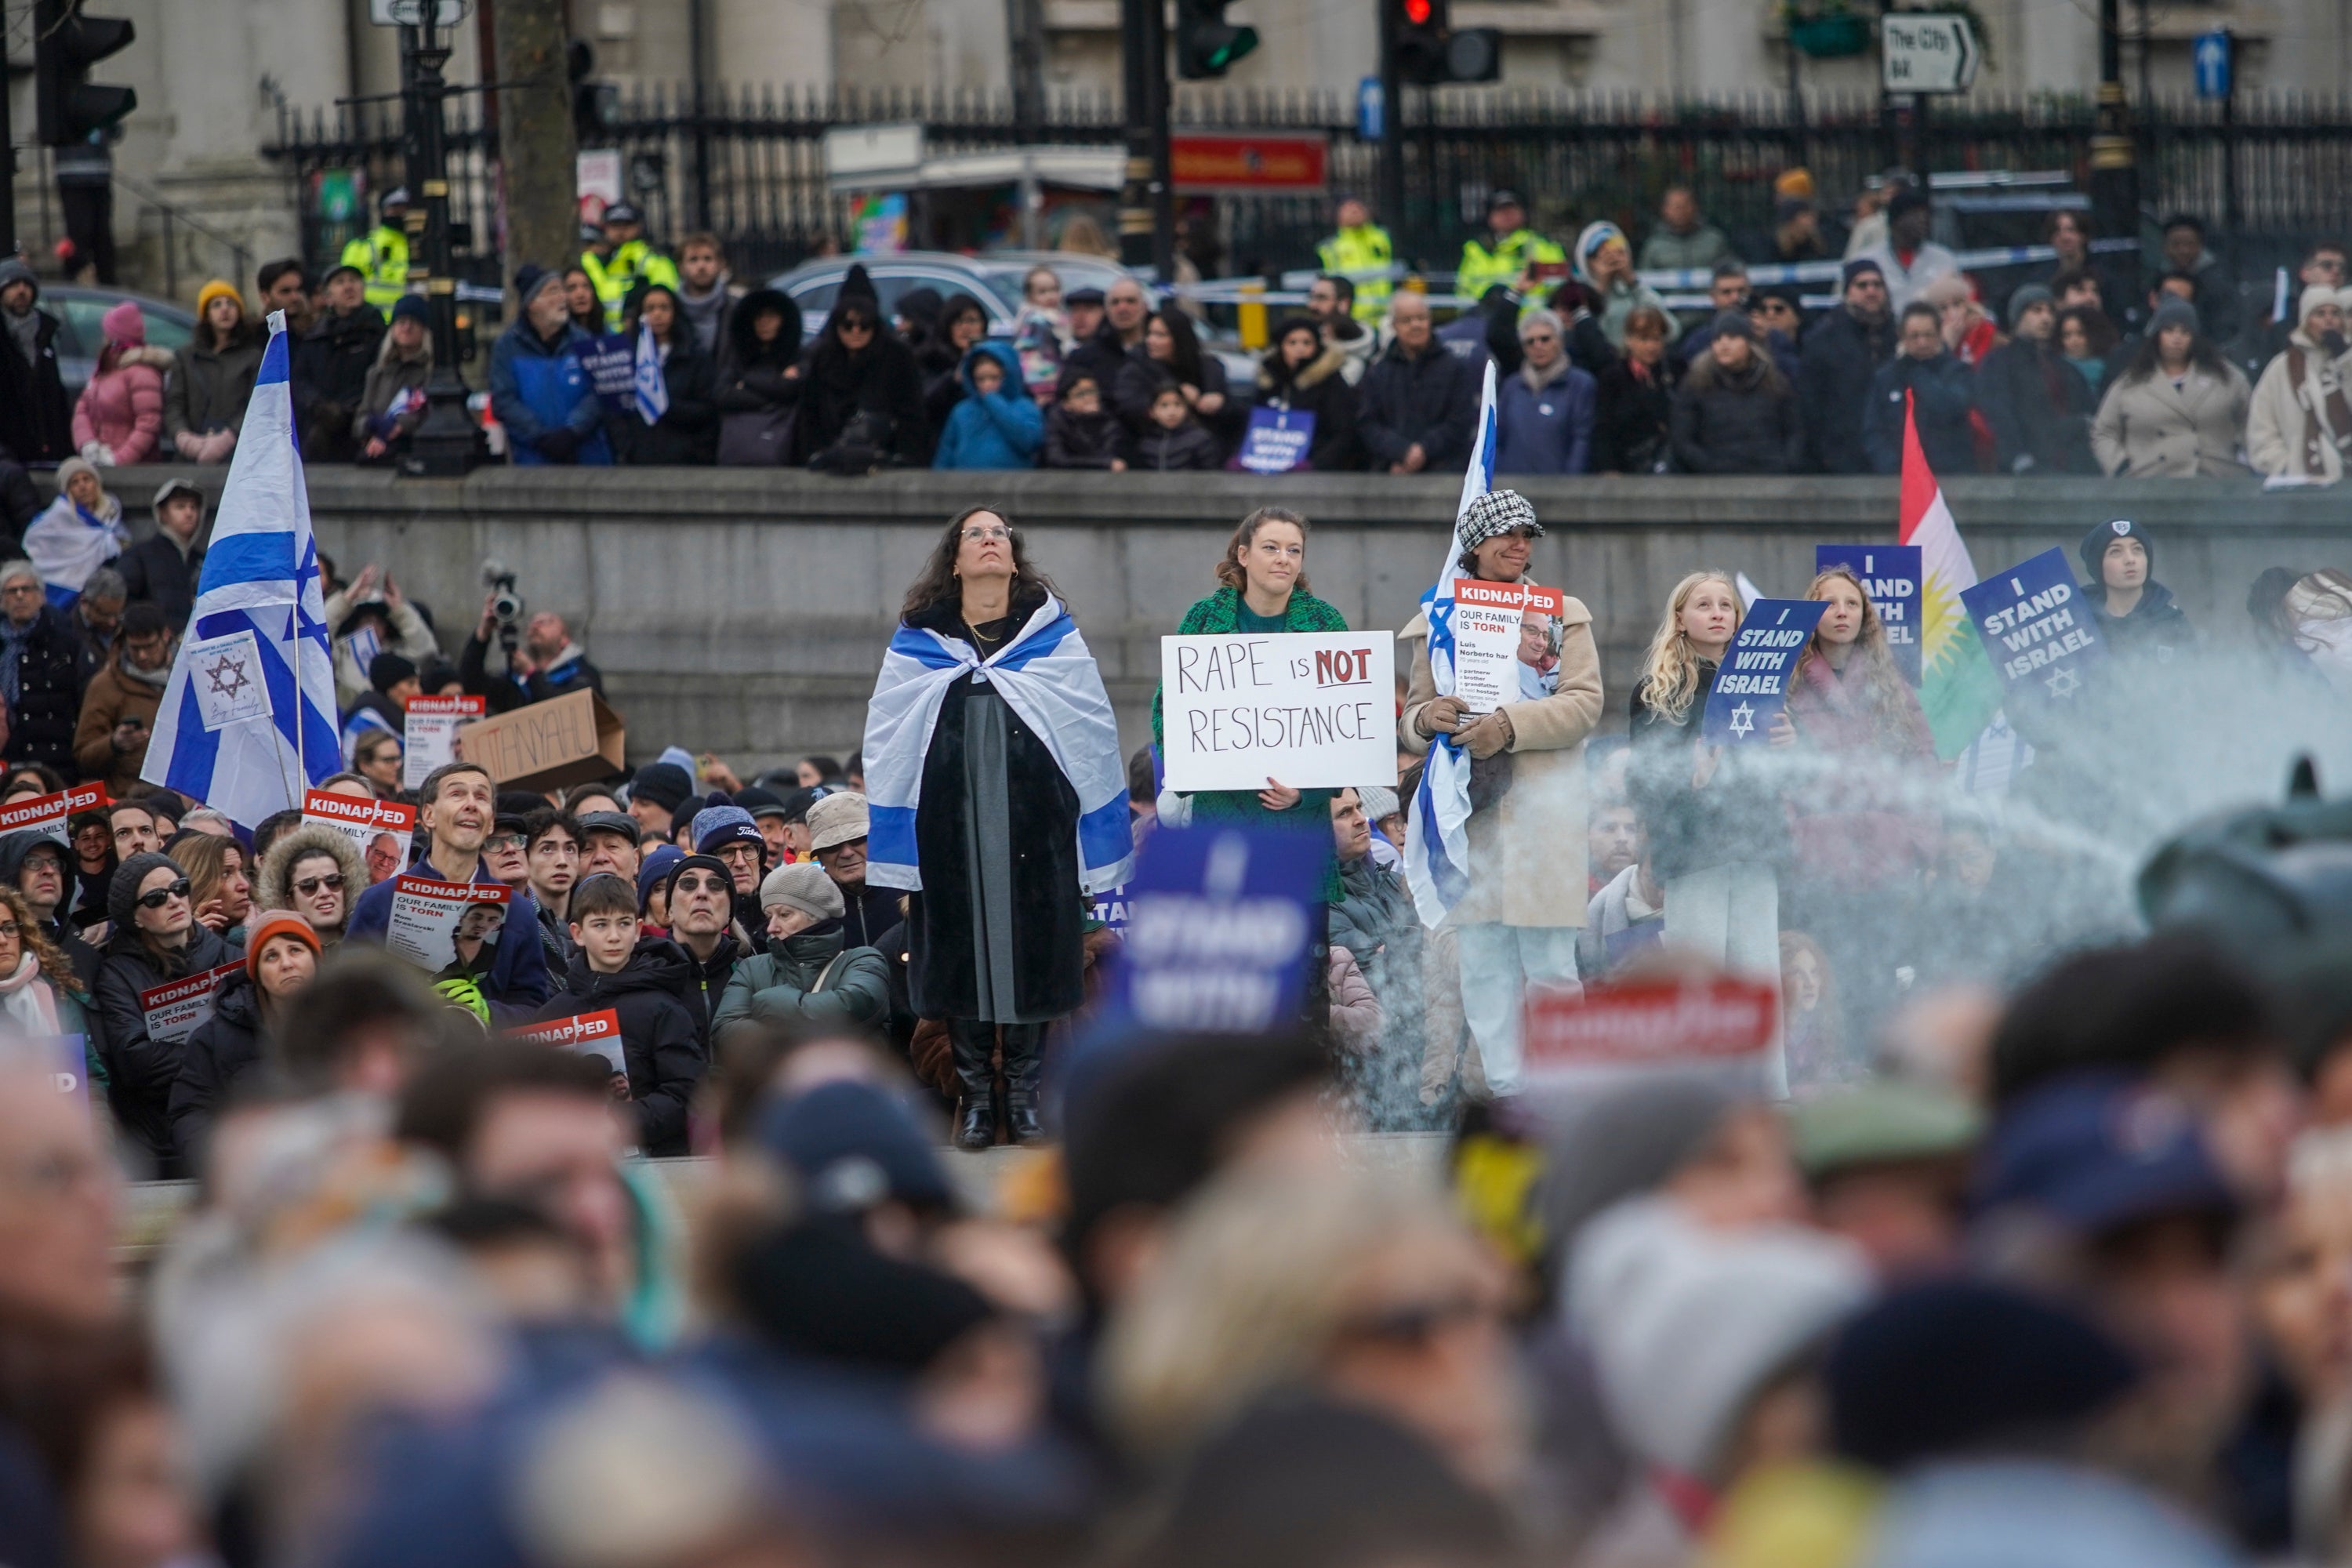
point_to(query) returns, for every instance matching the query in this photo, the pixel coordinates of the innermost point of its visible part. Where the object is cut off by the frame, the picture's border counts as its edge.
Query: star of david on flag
(247, 720)
(646, 383)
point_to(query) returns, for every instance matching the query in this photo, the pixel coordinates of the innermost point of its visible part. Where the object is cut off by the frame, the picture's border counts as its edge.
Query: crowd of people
(2036, 1260)
(2088, 368)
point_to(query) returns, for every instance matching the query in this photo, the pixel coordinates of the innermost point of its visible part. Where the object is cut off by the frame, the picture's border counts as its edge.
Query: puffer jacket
(812, 978)
(225, 1050)
(1318, 387)
(141, 1070)
(1743, 422)
(1002, 430)
(658, 1043)
(121, 408)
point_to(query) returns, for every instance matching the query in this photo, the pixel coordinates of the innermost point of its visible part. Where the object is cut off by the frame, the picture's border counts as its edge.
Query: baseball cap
(2097, 1151)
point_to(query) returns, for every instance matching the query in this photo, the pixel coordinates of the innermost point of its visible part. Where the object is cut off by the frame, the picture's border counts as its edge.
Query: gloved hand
(461, 991)
(96, 452)
(559, 444)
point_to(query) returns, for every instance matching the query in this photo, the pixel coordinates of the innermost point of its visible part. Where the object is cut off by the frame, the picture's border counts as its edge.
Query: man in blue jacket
(458, 804)
(539, 389)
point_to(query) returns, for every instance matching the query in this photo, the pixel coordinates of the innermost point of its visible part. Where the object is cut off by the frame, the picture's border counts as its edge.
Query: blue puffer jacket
(1002, 430)
(536, 386)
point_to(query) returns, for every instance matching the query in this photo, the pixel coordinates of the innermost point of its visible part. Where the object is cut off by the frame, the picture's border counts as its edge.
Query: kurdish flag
(1957, 686)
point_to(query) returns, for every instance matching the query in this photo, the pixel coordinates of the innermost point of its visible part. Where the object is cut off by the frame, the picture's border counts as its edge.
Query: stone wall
(745, 612)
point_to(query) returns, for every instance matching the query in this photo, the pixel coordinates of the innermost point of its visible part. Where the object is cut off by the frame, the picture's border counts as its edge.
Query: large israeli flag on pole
(1437, 830)
(247, 721)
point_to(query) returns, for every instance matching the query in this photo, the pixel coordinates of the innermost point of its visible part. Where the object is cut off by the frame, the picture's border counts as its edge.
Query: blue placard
(2042, 634)
(609, 364)
(1110, 907)
(1751, 688)
(2210, 58)
(1276, 440)
(1219, 924)
(1890, 579)
(1371, 107)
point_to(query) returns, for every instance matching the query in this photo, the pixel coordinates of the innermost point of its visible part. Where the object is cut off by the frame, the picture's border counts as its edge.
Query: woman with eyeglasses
(281, 957)
(862, 407)
(317, 873)
(152, 938)
(1544, 410)
(997, 796)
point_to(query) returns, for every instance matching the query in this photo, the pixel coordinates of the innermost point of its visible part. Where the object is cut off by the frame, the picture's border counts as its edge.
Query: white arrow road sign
(1922, 51)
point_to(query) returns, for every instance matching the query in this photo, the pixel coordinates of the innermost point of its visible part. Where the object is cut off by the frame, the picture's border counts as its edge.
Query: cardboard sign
(429, 916)
(2043, 636)
(1500, 630)
(50, 813)
(1220, 926)
(1649, 1023)
(596, 1034)
(428, 735)
(569, 740)
(1315, 709)
(1751, 686)
(173, 1010)
(382, 828)
(1276, 440)
(1890, 576)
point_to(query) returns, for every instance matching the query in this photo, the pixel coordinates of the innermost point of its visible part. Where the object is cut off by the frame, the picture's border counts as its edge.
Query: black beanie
(817, 1288)
(665, 785)
(122, 893)
(386, 671)
(2094, 547)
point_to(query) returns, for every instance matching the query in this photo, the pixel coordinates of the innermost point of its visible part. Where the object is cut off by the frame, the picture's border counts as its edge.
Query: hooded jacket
(657, 1034)
(121, 406)
(1737, 422)
(1002, 430)
(35, 420)
(1429, 400)
(941, 362)
(1320, 387)
(538, 383)
(1543, 420)
(118, 693)
(273, 880)
(224, 1051)
(2154, 629)
(687, 434)
(881, 380)
(141, 1070)
(812, 978)
(756, 381)
(158, 571)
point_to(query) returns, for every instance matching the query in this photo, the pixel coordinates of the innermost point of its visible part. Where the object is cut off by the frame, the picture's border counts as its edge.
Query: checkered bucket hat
(1497, 512)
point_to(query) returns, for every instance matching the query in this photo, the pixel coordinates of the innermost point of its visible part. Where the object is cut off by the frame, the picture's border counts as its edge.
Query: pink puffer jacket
(122, 409)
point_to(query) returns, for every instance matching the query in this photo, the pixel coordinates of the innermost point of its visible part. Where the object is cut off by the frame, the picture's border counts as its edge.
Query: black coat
(1743, 424)
(881, 379)
(1099, 356)
(1320, 388)
(223, 1052)
(686, 435)
(141, 1071)
(35, 420)
(1142, 378)
(1049, 914)
(2040, 408)
(1943, 393)
(1633, 418)
(20, 501)
(706, 983)
(1083, 440)
(869, 916)
(331, 368)
(1429, 401)
(2156, 630)
(158, 573)
(1188, 447)
(755, 379)
(1834, 368)
(49, 685)
(665, 1060)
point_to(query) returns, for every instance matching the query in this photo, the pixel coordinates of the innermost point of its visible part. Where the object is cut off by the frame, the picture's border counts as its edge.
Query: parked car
(79, 338)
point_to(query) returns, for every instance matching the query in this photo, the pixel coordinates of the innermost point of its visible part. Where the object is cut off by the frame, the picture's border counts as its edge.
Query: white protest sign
(1315, 710)
(173, 1010)
(380, 827)
(430, 919)
(429, 734)
(1499, 630)
(50, 813)
(225, 675)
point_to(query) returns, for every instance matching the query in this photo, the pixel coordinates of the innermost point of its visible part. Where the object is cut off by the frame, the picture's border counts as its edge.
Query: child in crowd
(1080, 433)
(642, 983)
(1176, 440)
(995, 424)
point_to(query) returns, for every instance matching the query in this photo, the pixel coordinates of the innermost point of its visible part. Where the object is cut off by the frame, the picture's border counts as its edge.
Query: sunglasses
(162, 896)
(855, 324)
(503, 841)
(332, 882)
(706, 883)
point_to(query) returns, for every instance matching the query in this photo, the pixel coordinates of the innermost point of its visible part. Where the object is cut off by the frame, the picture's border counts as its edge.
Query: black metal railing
(747, 162)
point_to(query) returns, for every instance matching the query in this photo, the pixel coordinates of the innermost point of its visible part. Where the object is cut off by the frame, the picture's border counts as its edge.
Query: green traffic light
(1244, 40)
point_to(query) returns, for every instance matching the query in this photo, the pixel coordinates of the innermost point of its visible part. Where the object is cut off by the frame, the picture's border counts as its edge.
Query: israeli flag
(247, 721)
(1437, 823)
(651, 392)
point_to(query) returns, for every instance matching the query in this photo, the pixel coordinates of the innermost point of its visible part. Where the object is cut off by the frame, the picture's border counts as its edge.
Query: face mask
(2334, 342)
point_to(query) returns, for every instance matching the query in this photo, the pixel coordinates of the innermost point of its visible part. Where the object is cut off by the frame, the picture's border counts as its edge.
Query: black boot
(1024, 1056)
(973, 1044)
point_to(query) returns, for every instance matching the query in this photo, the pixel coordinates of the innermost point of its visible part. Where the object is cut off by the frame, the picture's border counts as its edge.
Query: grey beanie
(803, 886)
(1620, 1142)
(1379, 800)
(122, 893)
(2027, 295)
(2173, 312)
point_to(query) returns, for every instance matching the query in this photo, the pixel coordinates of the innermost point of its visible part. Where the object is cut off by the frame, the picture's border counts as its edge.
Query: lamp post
(447, 444)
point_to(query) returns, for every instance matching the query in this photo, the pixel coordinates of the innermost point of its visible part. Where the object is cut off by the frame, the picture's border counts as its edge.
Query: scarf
(702, 314)
(158, 677)
(1048, 677)
(26, 330)
(27, 1000)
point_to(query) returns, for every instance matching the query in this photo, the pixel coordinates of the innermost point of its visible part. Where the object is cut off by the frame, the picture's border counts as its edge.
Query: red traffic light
(1417, 11)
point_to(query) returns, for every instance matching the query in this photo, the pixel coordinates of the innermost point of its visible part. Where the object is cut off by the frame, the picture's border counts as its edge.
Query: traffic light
(66, 44)
(1206, 44)
(1431, 51)
(595, 105)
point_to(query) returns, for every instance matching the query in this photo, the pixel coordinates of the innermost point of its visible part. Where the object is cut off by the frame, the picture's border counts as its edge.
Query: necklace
(986, 642)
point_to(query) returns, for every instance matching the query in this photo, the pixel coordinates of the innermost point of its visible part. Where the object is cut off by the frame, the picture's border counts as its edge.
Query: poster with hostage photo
(380, 827)
(1507, 642)
(443, 925)
(596, 1034)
